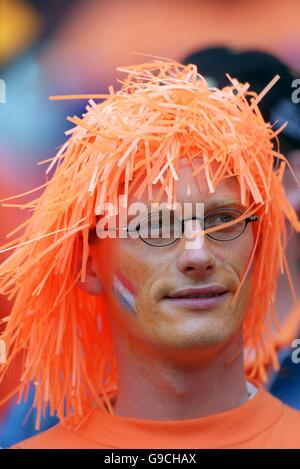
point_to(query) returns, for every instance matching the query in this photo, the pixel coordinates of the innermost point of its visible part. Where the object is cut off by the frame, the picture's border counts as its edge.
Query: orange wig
(135, 137)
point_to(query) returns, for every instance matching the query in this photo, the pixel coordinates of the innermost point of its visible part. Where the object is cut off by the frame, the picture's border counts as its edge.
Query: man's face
(140, 280)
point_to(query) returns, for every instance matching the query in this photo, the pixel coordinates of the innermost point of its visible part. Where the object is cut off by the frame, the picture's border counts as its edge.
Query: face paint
(124, 291)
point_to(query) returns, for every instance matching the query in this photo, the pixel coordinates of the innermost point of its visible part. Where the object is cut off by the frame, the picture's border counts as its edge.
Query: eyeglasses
(162, 229)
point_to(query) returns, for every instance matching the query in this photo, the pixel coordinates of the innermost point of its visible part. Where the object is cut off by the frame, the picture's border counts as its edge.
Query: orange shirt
(261, 422)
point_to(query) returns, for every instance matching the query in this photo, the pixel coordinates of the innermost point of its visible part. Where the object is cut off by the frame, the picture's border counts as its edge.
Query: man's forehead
(190, 190)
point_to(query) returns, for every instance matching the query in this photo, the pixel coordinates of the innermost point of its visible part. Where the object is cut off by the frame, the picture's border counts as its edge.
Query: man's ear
(92, 284)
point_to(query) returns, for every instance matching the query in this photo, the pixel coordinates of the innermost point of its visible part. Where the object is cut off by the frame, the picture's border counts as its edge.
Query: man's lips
(209, 290)
(198, 298)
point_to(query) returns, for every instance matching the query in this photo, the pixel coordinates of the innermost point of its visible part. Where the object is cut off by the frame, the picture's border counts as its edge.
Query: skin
(172, 356)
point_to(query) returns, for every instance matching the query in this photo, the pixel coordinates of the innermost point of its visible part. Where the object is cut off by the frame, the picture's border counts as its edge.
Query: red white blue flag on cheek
(124, 291)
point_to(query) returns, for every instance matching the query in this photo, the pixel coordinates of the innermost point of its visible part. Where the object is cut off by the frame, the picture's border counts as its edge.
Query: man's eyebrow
(208, 206)
(225, 202)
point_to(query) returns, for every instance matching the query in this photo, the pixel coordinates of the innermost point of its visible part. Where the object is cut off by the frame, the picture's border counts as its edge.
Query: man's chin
(186, 329)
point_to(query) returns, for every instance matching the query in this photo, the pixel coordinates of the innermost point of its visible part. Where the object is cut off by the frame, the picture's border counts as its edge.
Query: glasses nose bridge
(201, 222)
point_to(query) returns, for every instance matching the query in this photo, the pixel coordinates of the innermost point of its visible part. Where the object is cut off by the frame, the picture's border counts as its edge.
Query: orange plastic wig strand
(135, 136)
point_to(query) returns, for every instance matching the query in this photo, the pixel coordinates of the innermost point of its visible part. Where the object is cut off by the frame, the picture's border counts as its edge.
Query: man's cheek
(124, 291)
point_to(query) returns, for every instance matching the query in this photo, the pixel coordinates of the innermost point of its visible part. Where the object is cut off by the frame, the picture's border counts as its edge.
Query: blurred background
(74, 47)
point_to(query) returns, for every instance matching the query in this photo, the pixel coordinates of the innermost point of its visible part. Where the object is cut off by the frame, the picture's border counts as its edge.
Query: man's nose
(195, 257)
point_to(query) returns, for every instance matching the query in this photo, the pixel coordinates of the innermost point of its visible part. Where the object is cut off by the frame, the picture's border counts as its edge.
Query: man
(134, 324)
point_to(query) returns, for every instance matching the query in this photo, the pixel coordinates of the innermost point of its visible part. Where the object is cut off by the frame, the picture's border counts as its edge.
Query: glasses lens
(220, 218)
(160, 228)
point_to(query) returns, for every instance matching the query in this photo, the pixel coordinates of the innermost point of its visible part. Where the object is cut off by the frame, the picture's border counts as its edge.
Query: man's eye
(158, 225)
(220, 218)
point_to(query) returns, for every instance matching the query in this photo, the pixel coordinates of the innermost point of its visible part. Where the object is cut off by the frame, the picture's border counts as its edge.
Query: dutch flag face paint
(124, 291)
